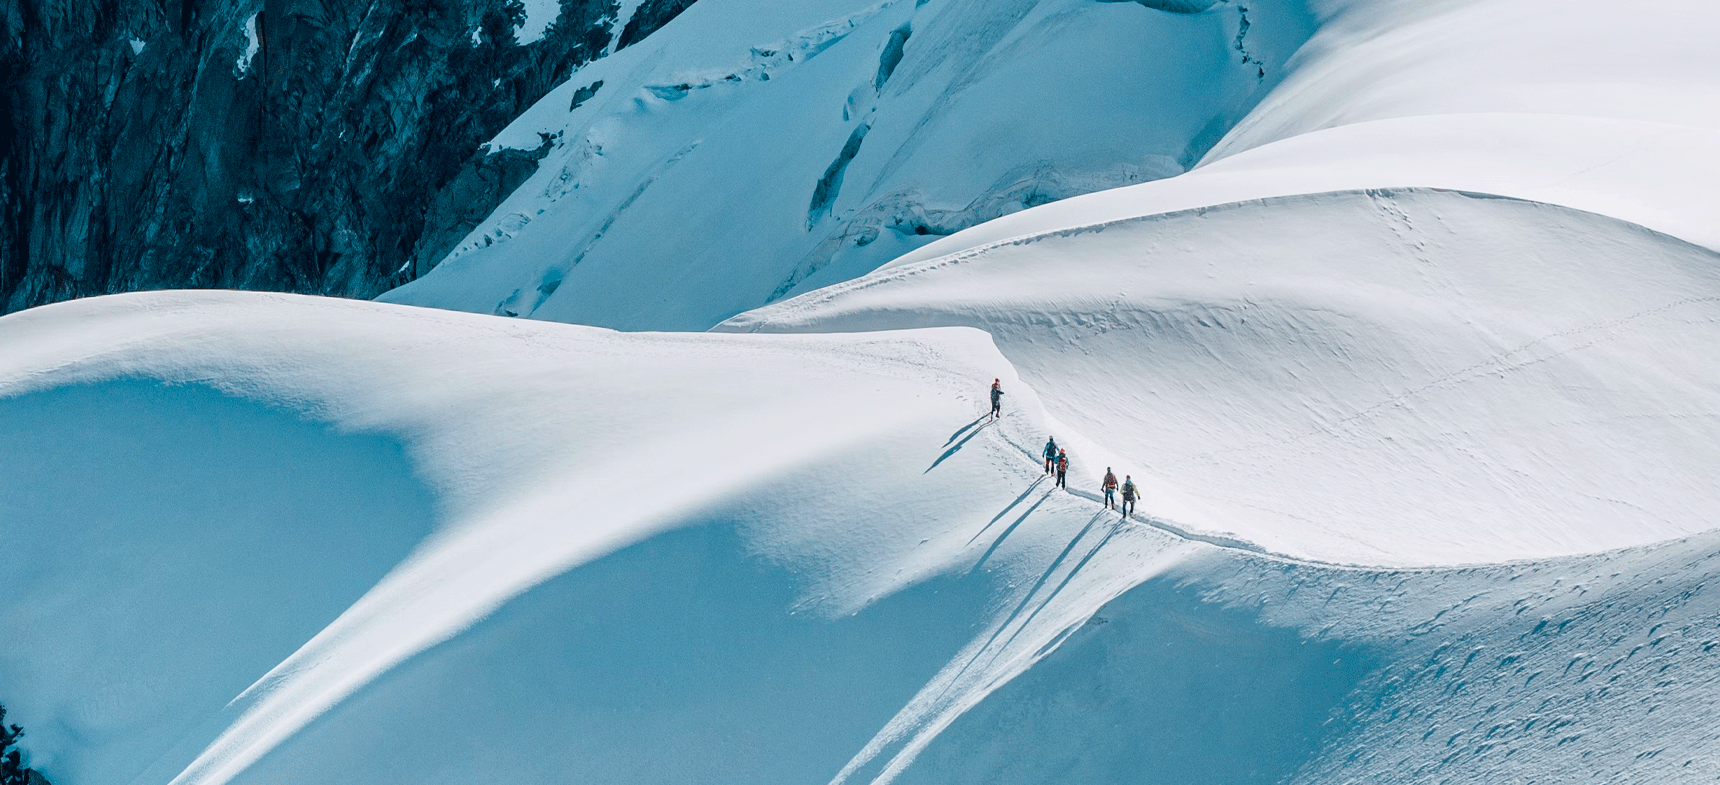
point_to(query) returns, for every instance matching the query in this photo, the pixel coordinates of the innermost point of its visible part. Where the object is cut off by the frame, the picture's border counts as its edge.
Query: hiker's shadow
(970, 430)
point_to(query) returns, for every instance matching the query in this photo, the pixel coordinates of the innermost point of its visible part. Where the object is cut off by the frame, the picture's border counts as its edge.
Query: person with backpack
(1062, 468)
(996, 399)
(1110, 489)
(1050, 454)
(1130, 494)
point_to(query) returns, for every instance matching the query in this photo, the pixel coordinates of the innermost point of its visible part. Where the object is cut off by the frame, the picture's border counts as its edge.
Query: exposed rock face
(650, 15)
(295, 145)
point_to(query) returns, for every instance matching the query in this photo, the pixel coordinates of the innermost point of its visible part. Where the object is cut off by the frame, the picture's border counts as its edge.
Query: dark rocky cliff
(310, 146)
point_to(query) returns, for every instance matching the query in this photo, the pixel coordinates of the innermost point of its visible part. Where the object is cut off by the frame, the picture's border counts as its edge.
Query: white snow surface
(1410, 377)
(253, 45)
(1416, 368)
(257, 538)
(540, 14)
(841, 134)
(508, 453)
(991, 110)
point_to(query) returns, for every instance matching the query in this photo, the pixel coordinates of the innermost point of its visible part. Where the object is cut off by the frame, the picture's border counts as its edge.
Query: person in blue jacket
(1050, 453)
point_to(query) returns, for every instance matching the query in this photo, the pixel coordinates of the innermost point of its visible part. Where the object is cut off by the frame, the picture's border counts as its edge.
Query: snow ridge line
(1250, 548)
(1239, 545)
(812, 300)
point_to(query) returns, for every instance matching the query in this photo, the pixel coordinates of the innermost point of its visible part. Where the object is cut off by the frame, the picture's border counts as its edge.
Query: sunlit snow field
(1403, 314)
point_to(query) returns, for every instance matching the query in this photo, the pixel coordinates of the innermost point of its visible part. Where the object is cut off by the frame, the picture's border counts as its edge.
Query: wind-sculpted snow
(1378, 378)
(1572, 104)
(1231, 668)
(727, 558)
(829, 484)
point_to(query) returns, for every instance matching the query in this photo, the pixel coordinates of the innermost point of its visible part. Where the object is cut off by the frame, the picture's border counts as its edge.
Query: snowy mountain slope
(841, 135)
(823, 475)
(1568, 105)
(1656, 175)
(636, 558)
(1230, 668)
(1382, 59)
(293, 536)
(1409, 377)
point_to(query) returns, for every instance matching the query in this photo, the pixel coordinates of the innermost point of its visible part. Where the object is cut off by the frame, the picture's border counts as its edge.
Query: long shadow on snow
(1005, 511)
(959, 445)
(679, 659)
(964, 428)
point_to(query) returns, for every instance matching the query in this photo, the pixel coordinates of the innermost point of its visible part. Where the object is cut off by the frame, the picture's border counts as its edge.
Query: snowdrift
(383, 528)
(1570, 104)
(1408, 377)
(353, 537)
(1231, 668)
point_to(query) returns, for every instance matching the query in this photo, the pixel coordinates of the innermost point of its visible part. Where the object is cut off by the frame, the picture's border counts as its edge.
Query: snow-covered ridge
(517, 433)
(1386, 377)
(791, 557)
(1416, 369)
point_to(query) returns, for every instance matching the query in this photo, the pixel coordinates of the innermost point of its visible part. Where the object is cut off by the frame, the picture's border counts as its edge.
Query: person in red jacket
(1062, 467)
(1110, 489)
(996, 399)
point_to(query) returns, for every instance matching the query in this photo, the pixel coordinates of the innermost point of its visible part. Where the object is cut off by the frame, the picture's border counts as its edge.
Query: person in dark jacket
(1110, 489)
(996, 399)
(1050, 454)
(1130, 494)
(1062, 467)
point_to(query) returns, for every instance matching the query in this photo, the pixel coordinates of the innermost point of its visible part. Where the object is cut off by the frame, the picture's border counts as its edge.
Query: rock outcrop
(293, 145)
